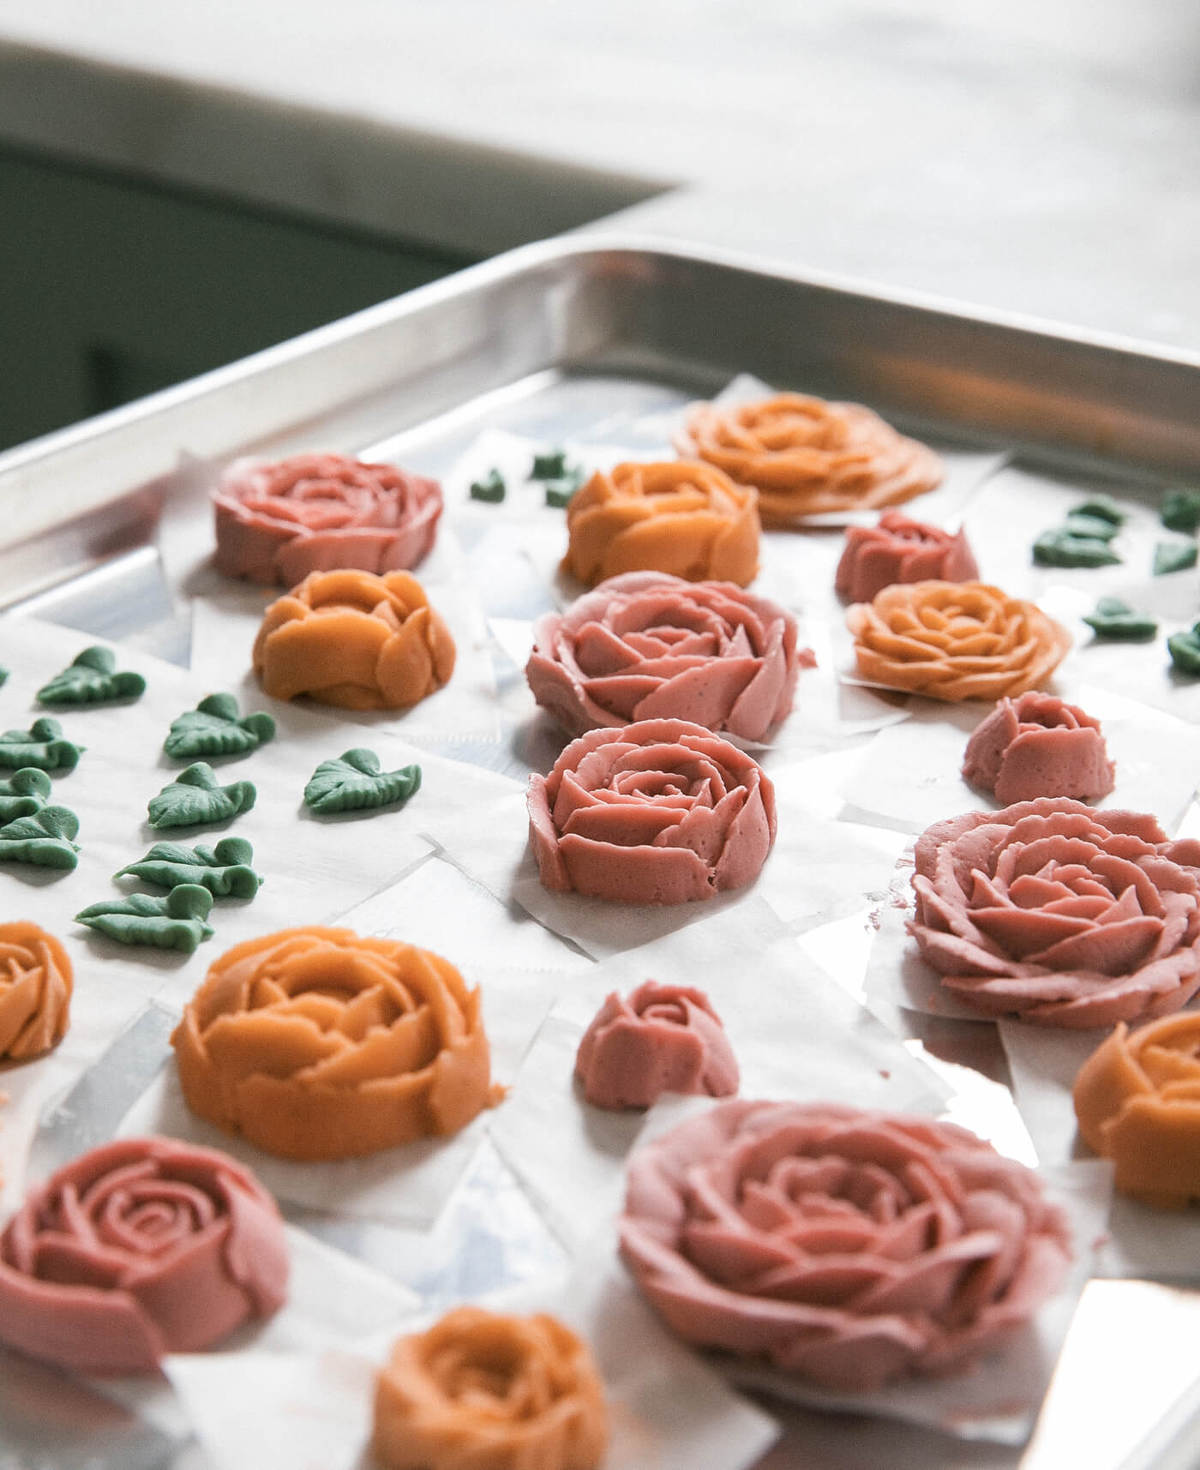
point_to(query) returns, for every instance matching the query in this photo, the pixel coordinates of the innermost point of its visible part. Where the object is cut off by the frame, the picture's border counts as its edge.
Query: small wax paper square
(793, 1032)
(1142, 1241)
(910, 775)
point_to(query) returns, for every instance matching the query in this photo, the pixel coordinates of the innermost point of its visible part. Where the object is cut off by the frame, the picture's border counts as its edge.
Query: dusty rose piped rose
(277, 521)
(661, 811)
(1053, 912)
(36, 982)
(849, 1247)
(899, 549)
(660, 1038)
(1038, 745)
(648, 645)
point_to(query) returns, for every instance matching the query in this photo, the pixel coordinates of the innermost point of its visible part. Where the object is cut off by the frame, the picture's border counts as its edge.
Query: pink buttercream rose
(647, 645)
(660, 1038)
(899, 549)
(1037, 745)
(1053, 912)
(277, 521)
(848, 1247)
(139, 1248)
(662, 811)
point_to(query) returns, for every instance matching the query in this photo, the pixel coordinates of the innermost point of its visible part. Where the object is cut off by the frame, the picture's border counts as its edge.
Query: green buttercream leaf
(175, 920)
(552, 465)
(91, 679)
(560, 492)
(1059, 548)
(3, 675)
(1173, 556)
(214, 727)
(1117, 621)
(1099, 528)
(1184, 649)
(1180, 510)
(491, 489)
(41, 745)
(23, 793)
(1101, 508)
(44, 839)
(224, 870)
(196, 798)
(354, 782)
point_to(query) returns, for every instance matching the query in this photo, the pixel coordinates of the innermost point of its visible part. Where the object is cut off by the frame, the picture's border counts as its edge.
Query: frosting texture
(141, 1247)
(317, 1043)
(661, 811)
(849, 1247)
(1053, 912)
(1037, 745)
(355, 640)
(648, 645)
(899, 549)
(808, 456)
(36, 982)
(278, 521)
(685, 518)
(955, 640)
(1137, 1099)
(490, 1392)
(659, 1038)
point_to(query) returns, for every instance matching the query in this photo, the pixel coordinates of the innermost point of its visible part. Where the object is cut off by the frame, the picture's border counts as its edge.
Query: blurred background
(182, 184)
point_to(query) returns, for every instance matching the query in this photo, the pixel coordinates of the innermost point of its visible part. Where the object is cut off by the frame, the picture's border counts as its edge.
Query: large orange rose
(35, 991)
(806, 456)
(687, 519)
(955, 640)
(318, 1044)
(356, 640)
(490, 1392)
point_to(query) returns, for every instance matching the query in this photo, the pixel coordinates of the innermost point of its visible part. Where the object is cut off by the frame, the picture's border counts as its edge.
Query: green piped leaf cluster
(45, 839)
(92, 679)
(214, 727)
(23, 793)
(1083, 540)
(224, 870)
(41, 745)
(174, 921)
(196, 799)
(354, 782)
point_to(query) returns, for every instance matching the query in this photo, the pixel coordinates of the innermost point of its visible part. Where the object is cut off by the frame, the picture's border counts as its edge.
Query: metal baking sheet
(574, 340)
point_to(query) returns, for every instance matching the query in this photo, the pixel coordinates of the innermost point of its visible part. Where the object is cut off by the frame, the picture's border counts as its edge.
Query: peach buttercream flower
(1037, 745)
(36, 981)
(1054, 912)
(492, 1392)
(316, 1043)
(648, 645)
(684, 518)
(139, 1248)
(899, 549)
(662, 811)
(955, 640)
(849, 1247)
(808, 456)
(660, 1038)
(277, 521)
(1137, 1099)
(354, 639)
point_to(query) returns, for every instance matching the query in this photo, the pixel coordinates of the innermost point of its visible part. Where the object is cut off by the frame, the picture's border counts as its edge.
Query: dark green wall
(111, 287)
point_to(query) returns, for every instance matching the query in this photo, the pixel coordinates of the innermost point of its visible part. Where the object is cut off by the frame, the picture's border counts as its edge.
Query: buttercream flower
(355, 640)
(1037, 745)
(139, 1248)
(277, 521)
(490, 1392)
(662, 811)
(807, 456)
(1053, 912)
(849, 1247)
(659, 1038)
(684, 518)
(315, 1043)
(1137, 1099)
(36, 982)
(648, 645)
(899, 549)
(955, 640)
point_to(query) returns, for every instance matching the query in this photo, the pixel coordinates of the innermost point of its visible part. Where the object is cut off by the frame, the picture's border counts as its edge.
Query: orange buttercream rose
(806, 456)
(1137, 1099)
(318, 1044)
(684, 518)
(955, 640)
(491, 1392)
(35, 991)
(354, 639)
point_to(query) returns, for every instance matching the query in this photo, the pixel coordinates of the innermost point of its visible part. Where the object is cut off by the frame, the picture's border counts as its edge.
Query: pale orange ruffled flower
(35, 991)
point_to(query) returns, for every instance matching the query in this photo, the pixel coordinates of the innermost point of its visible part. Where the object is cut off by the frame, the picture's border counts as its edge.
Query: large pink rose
(277, 521)
(139, 1248)
(848, 1247)
(1056, 913)
(659, 812)
(647, 646)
